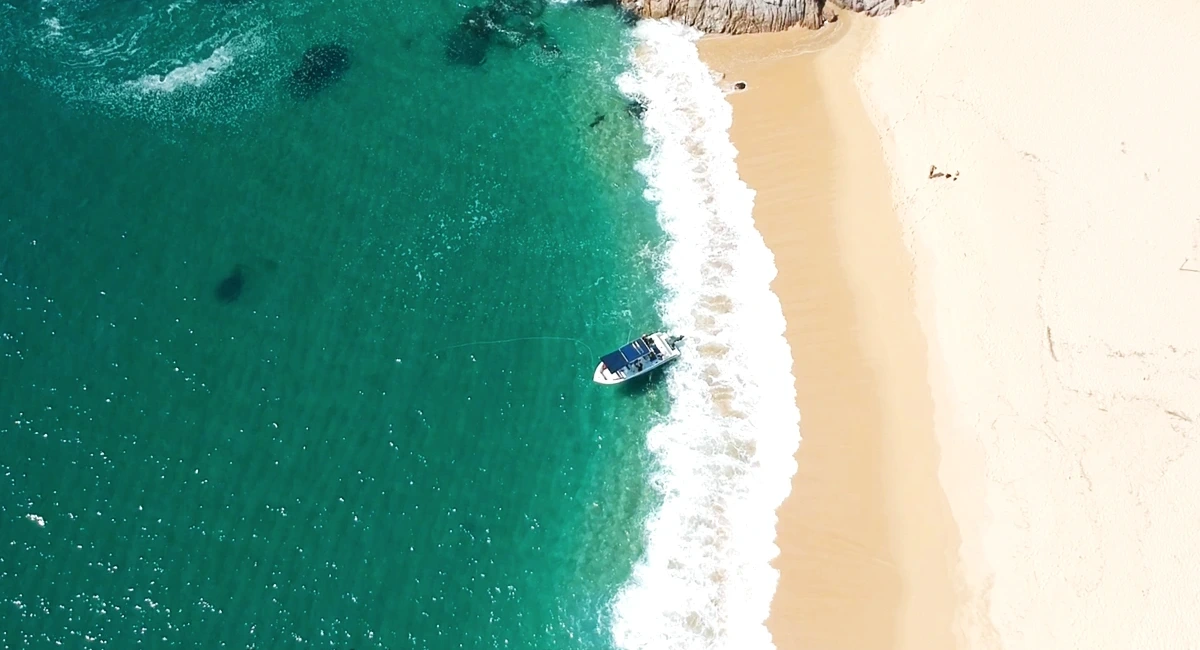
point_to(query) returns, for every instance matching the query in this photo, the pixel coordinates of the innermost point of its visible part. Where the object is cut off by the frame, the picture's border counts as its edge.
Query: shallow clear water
(281, 372)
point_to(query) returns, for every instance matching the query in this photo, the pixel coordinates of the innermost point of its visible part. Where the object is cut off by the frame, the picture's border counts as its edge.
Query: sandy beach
(1054, 283)
(988, 242)
(866, 538)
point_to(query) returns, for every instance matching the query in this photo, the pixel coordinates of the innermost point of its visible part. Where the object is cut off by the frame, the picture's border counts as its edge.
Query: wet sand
(868, 547)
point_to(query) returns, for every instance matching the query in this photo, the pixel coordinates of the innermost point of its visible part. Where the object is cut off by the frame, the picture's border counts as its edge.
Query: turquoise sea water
(281, 372)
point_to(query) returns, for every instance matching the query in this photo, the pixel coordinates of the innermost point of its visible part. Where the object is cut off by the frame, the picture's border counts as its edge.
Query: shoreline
(723, 456)
(867, 544)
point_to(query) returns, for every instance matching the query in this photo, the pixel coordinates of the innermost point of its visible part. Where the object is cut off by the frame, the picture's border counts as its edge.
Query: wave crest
(133, 58)
(188, 74)
(725, 453)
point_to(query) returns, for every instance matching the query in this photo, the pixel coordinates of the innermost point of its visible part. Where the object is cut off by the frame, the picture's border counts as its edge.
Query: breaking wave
(138, 58)
(724, 455)
(188, 74)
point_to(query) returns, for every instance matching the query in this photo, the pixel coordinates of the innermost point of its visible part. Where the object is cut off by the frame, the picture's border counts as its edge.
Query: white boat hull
(664, 351)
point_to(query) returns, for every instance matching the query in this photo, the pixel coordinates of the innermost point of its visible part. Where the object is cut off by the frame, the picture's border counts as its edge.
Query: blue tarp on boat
(622, 358)
(614, 361)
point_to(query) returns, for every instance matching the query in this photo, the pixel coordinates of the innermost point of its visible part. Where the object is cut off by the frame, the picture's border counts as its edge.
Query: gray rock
(745, 16)
(872, 7)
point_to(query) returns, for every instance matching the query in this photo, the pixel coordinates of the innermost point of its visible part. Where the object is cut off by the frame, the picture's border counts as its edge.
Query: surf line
(514, 340)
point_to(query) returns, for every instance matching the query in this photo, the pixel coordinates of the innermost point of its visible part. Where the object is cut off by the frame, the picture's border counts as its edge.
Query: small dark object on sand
(230, 289)
(741, 85)
(321, 66)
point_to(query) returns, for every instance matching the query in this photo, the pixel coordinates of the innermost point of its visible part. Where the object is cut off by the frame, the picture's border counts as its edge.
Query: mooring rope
(514, 340)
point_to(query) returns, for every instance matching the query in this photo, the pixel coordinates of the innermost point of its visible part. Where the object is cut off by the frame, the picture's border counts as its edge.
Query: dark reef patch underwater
(230, 288)
(508, 23)
(320, 67)
(346, 448)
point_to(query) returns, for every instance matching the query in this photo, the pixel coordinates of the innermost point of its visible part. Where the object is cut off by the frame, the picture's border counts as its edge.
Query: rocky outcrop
(872, 7)
(744, 16)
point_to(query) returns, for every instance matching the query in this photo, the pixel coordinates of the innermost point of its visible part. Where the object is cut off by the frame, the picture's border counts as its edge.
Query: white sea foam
(725, 454)
(196, 73)
(53, 27)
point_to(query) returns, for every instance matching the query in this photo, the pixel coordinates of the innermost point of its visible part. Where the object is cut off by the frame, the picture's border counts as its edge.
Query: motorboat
(636, 358)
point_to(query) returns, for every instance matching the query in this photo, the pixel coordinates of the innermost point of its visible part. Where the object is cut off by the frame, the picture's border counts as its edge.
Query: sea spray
(725, 454)
(133, 60)
(195, 73)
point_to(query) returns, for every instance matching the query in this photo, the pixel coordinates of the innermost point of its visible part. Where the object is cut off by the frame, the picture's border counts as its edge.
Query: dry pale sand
(1058, 284)
(867, 542)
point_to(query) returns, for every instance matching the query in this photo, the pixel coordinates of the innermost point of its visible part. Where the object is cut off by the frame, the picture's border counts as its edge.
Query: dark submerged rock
(464, 47)
(320, 67)
(482, 20)
(626, 15)
(467, 44)
(628, 18)
(510, 23)
(544, 41)
(636, 108)
(230, 289)
(527, 8)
